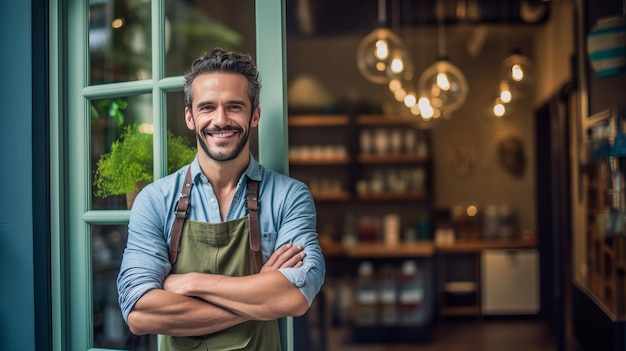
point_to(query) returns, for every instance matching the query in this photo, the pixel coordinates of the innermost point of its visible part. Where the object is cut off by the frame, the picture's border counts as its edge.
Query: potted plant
(128, 167)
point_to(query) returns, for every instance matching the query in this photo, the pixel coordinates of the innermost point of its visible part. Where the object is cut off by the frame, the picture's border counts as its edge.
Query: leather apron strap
(253, 214)
(182, 210)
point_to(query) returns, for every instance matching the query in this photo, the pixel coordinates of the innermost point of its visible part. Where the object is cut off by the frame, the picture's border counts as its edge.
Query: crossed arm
(198, 304)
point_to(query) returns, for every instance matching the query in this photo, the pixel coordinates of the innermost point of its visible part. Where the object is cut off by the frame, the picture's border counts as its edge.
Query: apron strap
(253, 214)
(182, 210)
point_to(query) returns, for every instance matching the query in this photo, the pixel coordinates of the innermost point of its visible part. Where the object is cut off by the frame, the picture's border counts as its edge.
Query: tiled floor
(473, 335)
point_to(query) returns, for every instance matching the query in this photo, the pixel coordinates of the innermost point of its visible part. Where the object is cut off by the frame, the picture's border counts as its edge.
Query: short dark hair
(220, 60)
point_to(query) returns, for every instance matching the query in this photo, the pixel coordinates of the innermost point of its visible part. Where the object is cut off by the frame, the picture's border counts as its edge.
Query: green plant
(129, 163)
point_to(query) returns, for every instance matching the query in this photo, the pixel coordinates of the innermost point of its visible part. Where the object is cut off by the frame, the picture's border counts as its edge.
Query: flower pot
(130, 196)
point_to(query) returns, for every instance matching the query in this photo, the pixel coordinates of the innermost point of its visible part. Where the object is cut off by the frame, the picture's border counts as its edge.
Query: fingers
(291, 261)
(285, 256)
(277, 254)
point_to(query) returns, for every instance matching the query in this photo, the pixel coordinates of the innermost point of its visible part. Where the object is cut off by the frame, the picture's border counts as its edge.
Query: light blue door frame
(271, 56)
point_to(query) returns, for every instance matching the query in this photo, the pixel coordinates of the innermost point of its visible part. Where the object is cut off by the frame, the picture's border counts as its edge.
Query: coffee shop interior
(452, 150)
(464, 158)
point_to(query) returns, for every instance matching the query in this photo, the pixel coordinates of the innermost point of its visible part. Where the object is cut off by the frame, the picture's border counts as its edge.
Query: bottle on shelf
(366, 296)
(388, 295)
(411, 294)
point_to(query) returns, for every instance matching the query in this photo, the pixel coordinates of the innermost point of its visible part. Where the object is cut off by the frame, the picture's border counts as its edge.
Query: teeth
(223, 134)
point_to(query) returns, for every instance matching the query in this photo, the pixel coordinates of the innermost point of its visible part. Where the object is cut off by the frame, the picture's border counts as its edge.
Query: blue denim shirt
(286, 215)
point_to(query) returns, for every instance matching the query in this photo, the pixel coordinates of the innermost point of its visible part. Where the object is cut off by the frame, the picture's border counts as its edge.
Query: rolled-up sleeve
(298, 227)
(145, 262)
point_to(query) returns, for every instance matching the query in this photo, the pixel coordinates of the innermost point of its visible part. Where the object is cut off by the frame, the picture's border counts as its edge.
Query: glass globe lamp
(382, 55)
(444, 85)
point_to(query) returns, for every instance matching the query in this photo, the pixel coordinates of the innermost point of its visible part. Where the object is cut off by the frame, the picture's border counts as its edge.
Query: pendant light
(443, 84)
(382, 55)
(517, 72)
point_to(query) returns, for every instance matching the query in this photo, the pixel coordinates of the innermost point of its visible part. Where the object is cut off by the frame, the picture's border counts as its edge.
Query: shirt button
(212, 200)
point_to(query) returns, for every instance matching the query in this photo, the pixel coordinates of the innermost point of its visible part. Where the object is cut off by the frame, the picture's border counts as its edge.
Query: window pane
(109, 329)
(196, 26)
(119, 41)
(121, 149)
(181, 148)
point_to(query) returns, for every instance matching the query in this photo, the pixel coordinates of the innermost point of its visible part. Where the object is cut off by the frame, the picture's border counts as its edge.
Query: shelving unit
(332, 148)
(325, 152)
(606, 252)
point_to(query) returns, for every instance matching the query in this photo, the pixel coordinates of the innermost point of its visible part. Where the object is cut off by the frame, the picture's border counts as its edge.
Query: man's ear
(191, 124)
(256, 116)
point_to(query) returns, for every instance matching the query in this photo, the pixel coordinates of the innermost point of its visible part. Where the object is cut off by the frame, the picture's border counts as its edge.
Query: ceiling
(332, 17)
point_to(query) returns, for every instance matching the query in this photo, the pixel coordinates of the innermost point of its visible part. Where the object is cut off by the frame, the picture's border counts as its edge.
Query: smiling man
(218, 274)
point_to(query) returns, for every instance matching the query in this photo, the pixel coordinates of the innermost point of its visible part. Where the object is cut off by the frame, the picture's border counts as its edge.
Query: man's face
(221, 115)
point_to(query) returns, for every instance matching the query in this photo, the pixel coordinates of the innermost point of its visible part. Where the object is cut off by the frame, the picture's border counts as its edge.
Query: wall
(322, 72)
(17, 282)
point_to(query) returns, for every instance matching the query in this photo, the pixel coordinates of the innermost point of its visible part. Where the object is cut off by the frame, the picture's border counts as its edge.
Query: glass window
(195, 26)
(121, 149)
(119, 41)
(109, 329)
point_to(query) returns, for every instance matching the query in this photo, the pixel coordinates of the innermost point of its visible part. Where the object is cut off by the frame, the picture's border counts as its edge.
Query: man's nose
(221, 116)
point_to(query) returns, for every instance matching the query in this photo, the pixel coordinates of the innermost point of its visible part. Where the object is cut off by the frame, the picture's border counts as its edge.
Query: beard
(223, 155)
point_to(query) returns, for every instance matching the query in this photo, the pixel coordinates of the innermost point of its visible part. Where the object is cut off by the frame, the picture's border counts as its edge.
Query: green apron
(222, 248)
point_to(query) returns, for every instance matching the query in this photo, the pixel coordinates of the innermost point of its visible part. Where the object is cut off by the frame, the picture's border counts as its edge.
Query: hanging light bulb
(505, 92)
(444, 85)
(425, 109)
(517, 71)
(382, 55)
(410, 100)
(498, 108)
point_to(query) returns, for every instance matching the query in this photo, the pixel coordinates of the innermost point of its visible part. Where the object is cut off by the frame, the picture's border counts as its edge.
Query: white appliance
(510, 282)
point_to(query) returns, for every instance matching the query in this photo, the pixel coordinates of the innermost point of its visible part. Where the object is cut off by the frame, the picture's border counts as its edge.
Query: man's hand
(286, 256)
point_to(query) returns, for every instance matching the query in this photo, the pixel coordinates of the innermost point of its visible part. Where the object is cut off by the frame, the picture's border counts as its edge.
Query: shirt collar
(253, 171)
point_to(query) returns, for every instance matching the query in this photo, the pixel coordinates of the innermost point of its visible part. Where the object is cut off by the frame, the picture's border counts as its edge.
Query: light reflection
(117, 23)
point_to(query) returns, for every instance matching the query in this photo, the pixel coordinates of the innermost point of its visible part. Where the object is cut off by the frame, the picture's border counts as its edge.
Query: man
(219, 288)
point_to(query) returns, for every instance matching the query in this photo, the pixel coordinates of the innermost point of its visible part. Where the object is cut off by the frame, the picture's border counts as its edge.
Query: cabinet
(510, 282)
(463, 275)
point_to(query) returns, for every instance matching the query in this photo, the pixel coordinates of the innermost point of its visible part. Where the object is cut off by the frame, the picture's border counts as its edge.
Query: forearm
(262, 296)
(167, 313)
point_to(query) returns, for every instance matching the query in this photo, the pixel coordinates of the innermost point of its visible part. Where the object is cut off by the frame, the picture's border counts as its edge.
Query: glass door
(125, 116)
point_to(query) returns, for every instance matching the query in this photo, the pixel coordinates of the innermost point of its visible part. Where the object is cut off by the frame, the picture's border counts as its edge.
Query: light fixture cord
(441, 37)
(382, 12)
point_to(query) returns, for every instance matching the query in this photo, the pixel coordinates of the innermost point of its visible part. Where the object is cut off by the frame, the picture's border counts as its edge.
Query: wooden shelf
(417, 249)
(391, 158)
(377, 250)
(319, 161)
(460, 311)
(411, 195)
(479, 245)
(382, 120)
(318, 120)
(331, 196)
